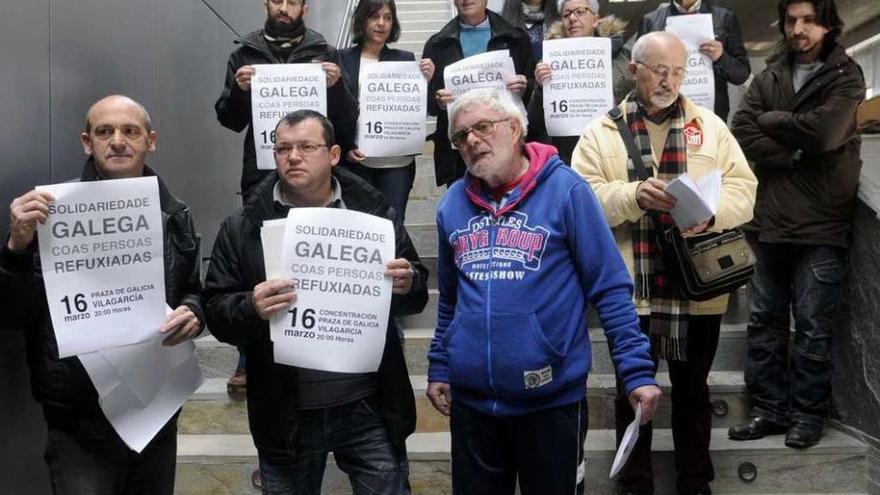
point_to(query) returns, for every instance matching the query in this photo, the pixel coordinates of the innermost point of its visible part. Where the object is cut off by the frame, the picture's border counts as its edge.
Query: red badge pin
(693, 135)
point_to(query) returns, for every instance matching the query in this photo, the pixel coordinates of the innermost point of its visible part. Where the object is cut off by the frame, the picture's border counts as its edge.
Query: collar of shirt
(681, 10)
(335, 201)
(481, 26)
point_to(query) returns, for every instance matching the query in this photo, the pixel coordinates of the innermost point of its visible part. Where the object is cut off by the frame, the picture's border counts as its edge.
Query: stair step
(223, 464)
(423, 14)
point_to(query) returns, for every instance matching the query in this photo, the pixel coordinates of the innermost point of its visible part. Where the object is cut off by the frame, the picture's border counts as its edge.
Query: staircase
(216, 454)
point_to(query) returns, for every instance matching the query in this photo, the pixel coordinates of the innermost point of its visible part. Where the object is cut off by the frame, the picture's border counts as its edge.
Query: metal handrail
(344, 38)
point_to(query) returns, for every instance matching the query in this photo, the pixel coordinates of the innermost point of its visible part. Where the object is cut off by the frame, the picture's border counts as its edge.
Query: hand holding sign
(273, 296)
(182, 325)
(401, 272)
(25, 213)
(243, 77)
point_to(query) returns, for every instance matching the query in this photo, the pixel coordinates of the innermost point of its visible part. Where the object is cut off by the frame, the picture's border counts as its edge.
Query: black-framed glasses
(284, 150)
(579, 13)
(483, 128)
(663, 71)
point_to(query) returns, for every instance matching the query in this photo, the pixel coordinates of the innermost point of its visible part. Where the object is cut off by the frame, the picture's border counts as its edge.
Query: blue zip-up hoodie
(514, 284)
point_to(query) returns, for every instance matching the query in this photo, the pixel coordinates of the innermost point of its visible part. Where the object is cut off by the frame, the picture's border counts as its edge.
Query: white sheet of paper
(699, 83)
(174, 369)
(102, 260)
(336, 259)
(630, 437)
(272, 238)
(393, 109)
(276, 90)
(696, 201)
(581, 86)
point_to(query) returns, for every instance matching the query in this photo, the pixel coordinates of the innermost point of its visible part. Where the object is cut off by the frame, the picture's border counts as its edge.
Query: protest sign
(277, 90)
(336, 259)
(694, 30)
(101, 252)
(393, 109)
(486, 70)
(581, 86)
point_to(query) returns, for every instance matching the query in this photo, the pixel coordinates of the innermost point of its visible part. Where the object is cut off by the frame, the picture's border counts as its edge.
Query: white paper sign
(393, 109)
(486, 70)
(581, 86)
(272, 239)
(136, 400)
(696, 201)
(102, 259)
(277, 90)
(336, 259)
(627, 443)
(694, 30)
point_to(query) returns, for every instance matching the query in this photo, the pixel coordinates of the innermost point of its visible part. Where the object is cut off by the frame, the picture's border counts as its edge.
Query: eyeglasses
(579, 12)
(662, 71)
(284, 150)
(482, 129)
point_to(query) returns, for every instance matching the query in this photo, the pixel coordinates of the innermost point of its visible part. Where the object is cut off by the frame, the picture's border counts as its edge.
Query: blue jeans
(393, 183)
(85, 456)
(542, 450)
(357, 436)
(805, 281)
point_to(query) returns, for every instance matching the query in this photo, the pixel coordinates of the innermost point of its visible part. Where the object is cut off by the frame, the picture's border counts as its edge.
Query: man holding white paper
(84, 453)
(284, 39)
(672, 136)
(298, 415)
(725, 50)
(475, 30)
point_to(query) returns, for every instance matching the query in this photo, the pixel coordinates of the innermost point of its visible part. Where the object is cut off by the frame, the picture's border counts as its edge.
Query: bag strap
(629, 141)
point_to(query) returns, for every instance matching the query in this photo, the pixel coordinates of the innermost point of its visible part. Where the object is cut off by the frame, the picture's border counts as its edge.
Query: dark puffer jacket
(733, 67)
(233, 108)
(444, 49)
(804, 148)
(63, 383)
(237, 267)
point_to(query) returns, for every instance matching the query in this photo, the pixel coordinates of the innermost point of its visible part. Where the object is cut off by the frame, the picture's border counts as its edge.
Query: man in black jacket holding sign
(84, 454)
(283, 40)
(297, 415)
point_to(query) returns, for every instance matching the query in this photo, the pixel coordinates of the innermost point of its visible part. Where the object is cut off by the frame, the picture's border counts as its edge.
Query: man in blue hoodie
(524, 248)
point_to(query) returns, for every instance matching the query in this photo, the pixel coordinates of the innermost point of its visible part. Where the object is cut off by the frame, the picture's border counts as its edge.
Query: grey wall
(57, 58)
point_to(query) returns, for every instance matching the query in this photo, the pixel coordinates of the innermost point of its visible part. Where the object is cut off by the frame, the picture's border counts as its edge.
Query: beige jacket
(600, 157)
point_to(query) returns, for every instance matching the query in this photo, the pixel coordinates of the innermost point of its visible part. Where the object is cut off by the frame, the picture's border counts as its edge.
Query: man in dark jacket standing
(730, 61)
(475, 30)
(85, 456)
(283, 40)
(797, 124)
(297, 416)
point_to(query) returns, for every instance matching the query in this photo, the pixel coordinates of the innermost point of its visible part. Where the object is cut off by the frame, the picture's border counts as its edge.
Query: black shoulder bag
(704, 265)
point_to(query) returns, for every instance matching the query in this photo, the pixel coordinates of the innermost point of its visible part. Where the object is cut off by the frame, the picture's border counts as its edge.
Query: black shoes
(757, 428)
(802, 436)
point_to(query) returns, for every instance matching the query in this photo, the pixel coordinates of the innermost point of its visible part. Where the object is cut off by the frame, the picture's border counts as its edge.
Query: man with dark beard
(797, 124)
(284, 39)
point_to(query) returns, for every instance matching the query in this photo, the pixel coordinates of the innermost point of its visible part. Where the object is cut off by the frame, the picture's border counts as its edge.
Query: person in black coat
(730, 60)
(296, 415)
(283, 40)
(374, 25)
(84, 453)
(450, 45)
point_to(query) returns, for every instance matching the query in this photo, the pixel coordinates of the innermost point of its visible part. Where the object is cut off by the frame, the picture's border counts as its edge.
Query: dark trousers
(806, 281)
(357, 436)
(543, 449)
(85, 456)
(394, 183)
(691, 415)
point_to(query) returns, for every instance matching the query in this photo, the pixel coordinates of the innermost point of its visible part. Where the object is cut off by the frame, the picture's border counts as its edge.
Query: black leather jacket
(64, 383)
(237, 267)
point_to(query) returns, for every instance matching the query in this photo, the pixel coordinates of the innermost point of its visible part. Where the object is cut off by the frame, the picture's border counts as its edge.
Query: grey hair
(493, 98)
(641, 44)
(592, 4)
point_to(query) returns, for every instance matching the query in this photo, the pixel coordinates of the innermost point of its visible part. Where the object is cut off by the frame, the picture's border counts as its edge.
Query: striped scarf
(669, 312)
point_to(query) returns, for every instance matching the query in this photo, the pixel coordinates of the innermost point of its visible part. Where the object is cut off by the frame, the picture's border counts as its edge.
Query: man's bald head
(659, 64)
(119, 100)
(649, 45)
(118, 137)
